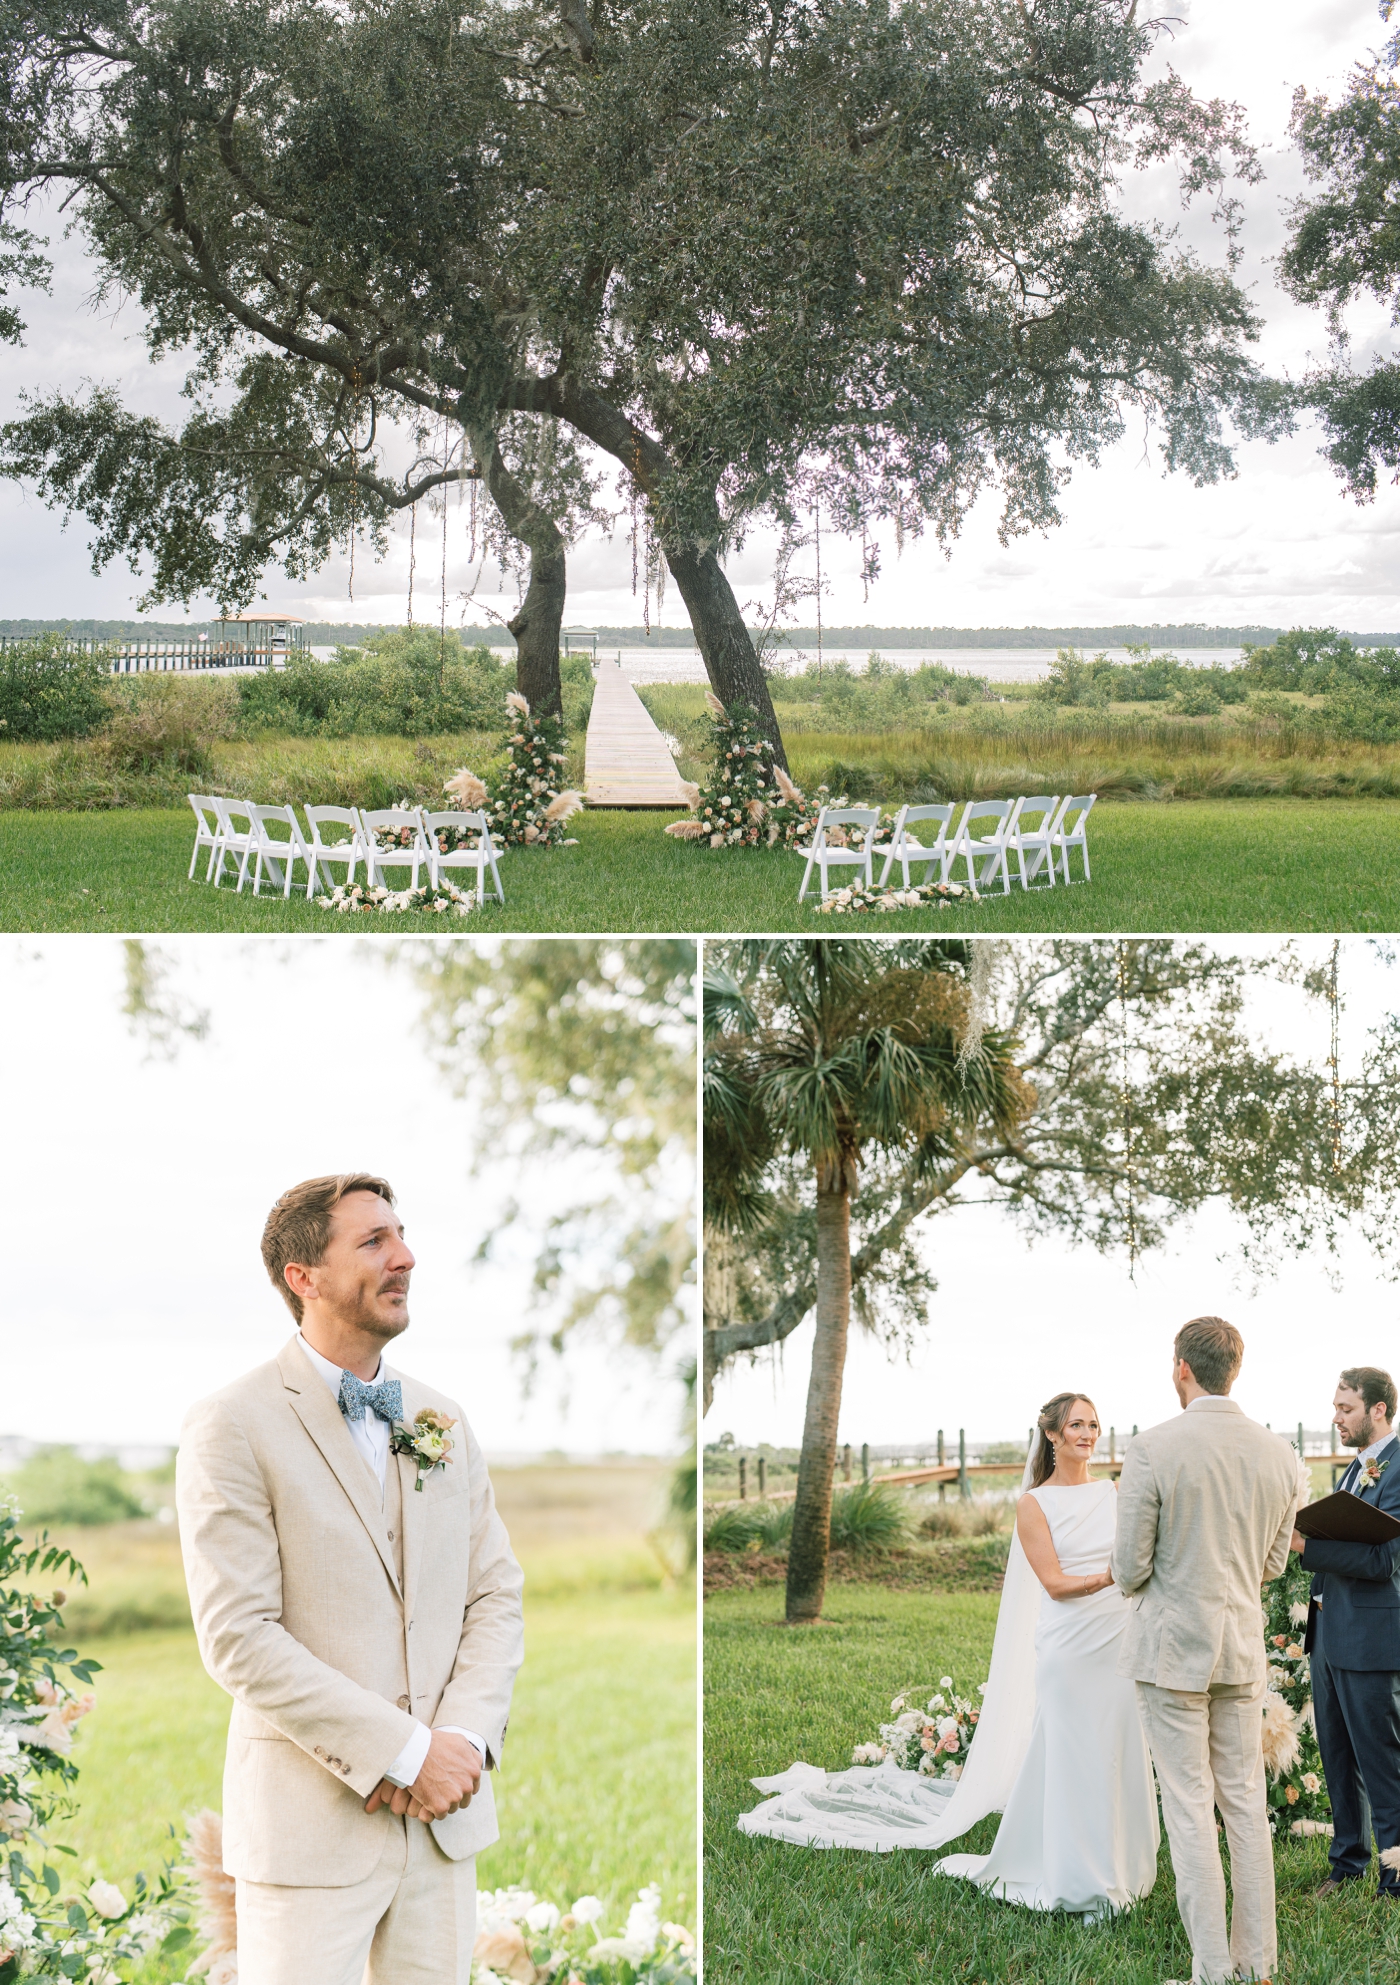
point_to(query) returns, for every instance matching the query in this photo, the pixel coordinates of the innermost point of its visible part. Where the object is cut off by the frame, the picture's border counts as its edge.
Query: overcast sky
(139, 1188)
(1013, 1324)
(1280, 545)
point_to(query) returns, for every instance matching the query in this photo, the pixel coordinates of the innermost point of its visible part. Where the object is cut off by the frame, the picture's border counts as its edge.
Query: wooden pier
(626, 762)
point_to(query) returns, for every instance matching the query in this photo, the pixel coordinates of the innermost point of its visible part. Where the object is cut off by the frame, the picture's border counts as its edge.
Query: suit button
(403, 1702)
(391, 1536)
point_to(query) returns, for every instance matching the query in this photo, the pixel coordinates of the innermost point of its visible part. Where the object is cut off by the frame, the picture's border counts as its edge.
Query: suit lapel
(325, 1423)
(413, 1504)
(1387, 1454)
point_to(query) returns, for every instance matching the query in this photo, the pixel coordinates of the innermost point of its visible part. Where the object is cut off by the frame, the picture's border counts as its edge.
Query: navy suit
(1353, 1639)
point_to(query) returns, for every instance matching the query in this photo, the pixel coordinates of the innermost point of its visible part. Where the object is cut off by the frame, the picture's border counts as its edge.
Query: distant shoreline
(332, 633)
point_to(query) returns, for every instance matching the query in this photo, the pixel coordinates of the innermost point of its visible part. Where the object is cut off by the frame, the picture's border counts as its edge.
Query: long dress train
(1059, 1750)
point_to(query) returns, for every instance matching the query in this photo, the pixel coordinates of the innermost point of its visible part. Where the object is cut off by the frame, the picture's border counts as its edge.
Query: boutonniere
(428, 1441)
(1372, 1470)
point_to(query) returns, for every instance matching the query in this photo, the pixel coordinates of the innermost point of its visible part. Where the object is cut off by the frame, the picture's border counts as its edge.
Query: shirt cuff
(409, 1762)
(456, 1730)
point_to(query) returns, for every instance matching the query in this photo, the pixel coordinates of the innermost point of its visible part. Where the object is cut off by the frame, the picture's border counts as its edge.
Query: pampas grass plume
(564, 806)
(713, 704)
(467, 788)
(1320, 1829)
(692, 794)
(204, 1851)
(790, 793)
(515, 701)
(687, 830)
(1281, 1749)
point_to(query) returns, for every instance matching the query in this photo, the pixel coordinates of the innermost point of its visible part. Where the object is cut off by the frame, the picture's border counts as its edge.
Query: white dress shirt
(371, 1436)
(1367, 1454)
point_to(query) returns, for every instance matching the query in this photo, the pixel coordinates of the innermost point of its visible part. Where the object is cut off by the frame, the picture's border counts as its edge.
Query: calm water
(996, 664)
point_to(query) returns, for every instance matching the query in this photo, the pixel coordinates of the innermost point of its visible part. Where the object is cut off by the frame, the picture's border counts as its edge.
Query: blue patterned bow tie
(385, 1399)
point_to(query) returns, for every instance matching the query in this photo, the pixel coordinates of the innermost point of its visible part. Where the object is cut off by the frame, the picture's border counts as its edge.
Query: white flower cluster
(523, 1940)
(862, 897)
(444, 900)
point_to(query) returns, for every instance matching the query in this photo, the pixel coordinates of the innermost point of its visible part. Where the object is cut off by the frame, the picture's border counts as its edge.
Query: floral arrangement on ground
(1298, 1802)
(918, 1739)
(749, 802)
(528, 809)
(858, 898)
(525, 1941)
(438, 899)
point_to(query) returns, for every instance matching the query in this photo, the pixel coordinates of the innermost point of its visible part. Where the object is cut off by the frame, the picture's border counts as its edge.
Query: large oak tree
(759, 252)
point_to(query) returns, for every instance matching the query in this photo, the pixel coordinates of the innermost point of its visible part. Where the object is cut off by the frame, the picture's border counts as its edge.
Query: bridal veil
(882, 1808)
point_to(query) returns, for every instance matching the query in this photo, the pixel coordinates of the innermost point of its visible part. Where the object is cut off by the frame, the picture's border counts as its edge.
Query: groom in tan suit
(1205, 1515)
(362, 1608)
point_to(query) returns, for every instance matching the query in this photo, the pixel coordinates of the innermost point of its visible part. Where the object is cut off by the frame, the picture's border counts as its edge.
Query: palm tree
(823, 1049)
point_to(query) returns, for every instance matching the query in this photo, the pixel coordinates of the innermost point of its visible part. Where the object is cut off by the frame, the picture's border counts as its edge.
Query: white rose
(107, 1899)
(543, 1918)
(588, 1909)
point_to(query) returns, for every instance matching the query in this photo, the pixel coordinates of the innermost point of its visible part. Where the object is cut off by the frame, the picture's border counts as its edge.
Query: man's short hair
(1213, 1349)
(299, 1225)
(1374, 1385)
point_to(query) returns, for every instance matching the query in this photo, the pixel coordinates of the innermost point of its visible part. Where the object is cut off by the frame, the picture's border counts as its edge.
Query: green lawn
(781, 1915)
(1223, 865)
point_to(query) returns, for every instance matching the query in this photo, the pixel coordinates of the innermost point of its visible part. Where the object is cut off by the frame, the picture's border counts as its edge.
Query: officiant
(1353, 1641)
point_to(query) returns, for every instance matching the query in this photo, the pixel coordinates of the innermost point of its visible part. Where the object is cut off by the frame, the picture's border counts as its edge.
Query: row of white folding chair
(1039, 830)
(423, 845)
(823, 855)
(278, 852)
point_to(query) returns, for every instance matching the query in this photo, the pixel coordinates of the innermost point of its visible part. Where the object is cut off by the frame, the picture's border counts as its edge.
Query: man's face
(1354, 1423)
(362, 1279)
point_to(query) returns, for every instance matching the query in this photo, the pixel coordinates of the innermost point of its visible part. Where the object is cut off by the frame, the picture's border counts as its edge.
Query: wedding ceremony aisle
(627, 762)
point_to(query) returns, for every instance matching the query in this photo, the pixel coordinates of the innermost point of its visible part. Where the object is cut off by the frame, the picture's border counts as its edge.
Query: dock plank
(626, 762)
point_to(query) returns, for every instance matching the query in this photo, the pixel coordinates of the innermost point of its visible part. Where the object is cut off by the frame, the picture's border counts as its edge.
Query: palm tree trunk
(811, 1521)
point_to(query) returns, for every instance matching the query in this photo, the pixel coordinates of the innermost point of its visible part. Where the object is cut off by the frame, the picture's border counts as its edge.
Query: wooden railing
(182, 657)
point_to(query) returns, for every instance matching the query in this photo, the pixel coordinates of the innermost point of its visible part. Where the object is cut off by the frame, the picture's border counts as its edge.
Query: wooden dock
(626, 763)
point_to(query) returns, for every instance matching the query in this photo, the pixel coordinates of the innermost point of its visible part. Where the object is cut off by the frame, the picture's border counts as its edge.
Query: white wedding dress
(1059, 1750)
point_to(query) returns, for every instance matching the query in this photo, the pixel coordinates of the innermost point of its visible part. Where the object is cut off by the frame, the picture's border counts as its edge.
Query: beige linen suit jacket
(330, 1650)
(1205, 1513)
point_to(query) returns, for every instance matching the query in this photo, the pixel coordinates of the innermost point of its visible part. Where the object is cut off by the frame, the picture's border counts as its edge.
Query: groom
(1353, 1643)
(362, 1607)
(1205, 1513)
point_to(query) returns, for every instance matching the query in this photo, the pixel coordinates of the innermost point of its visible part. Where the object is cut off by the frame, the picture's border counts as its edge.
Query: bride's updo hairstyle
(1051, 1420)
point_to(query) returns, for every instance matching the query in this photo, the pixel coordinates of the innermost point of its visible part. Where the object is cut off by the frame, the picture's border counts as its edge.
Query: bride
(1059, 1747)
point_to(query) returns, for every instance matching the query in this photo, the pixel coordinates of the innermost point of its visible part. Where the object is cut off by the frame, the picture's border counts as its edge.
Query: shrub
(732, 1529)
(962, 1519)
(166, 724)
(407, 682)
(49, 690)
(868, 1517)
(57, 1486)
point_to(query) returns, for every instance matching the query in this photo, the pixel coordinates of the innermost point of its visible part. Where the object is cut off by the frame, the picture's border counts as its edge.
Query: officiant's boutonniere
(428, 1440)
(1372, 1470)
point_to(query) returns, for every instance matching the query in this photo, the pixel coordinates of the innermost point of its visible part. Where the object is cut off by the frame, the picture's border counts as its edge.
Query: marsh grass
(780, 1915)
(994, 751)
(275, 769)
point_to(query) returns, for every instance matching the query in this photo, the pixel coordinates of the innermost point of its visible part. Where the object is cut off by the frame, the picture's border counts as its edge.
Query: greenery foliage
(1298, 1791)
(409, 682)
(57, 1486)
(50, 690)
(46, 1934)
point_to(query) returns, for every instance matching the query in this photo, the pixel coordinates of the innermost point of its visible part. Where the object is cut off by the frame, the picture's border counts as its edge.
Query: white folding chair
(1070, 832)
(279, 853)
(985, 854)
(1023, 839)
(481, 857)
(823, 855)
(208, 832)
(904, 848)
(235, 843)
(407, 846)
(325, 853)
